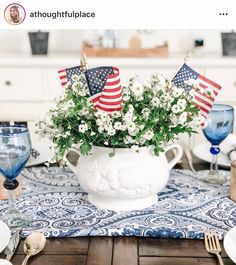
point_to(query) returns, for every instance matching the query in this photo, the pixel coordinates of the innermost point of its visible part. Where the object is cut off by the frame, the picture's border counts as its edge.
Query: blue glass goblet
(219, 124)
(15, 145)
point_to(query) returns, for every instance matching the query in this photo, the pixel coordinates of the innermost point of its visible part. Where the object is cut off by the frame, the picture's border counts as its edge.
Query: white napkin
(228, 146)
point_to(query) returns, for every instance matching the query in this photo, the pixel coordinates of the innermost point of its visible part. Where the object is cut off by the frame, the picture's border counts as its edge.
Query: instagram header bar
(104, 14)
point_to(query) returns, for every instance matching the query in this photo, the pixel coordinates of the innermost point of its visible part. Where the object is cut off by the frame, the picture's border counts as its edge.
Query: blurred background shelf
(160, 51)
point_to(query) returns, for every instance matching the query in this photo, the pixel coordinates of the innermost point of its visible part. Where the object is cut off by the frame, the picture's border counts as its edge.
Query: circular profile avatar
(14, 14)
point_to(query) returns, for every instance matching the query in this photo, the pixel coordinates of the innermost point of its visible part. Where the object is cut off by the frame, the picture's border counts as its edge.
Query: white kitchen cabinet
(52, 86)
(21, 83)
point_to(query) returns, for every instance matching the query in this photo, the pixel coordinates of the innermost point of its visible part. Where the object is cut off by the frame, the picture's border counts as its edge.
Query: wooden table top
(124, 250)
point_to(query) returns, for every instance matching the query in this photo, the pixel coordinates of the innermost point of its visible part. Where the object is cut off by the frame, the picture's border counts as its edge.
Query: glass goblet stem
(10, 186)
(11, 200)
(214, 163)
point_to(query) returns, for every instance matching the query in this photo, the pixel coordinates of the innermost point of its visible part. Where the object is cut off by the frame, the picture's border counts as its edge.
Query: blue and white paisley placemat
(186, 208)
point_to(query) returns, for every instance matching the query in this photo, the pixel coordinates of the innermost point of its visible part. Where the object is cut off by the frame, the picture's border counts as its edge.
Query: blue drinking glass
(220, 122)
(15, 145)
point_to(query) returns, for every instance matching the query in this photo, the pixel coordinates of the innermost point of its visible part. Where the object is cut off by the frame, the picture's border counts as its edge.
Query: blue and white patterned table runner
(186, 208)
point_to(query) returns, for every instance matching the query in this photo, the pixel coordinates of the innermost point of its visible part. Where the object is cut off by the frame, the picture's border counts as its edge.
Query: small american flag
(66, 75)
(104, 87)
(203, 100)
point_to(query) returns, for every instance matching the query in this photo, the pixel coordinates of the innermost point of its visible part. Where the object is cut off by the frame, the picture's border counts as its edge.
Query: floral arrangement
(153, 113)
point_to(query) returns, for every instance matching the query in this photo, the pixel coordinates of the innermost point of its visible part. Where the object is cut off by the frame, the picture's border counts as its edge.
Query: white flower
(174, 120)
(66, 134)
(177, 92)
(135, 148)
(192, 82)
(137, 89)
(123, 127)
(83, 128)
(82, 92)
(182, 103)
(141, 126)
(92, 133)
(192, 93)
(155, 102)
(183, 118)
(147, 85)
(48, 121)
(69, 104)
(142, 140)
(111, 131)
(128, 117)
(156, 89)
(198, 120)
(167, 97)
(159, 79)
(176, 108)
(106, 143)
(75, 78)
(134, 132)
(131, 126)
(139, 98)
(107, 126)
(84, 111)
(101, 128)
(74, 86)
(129, 140)
(116, 114)
(131, 108)
(100, 122)
(104, 116)
(146, 112)
(118, 125)
(148, 135)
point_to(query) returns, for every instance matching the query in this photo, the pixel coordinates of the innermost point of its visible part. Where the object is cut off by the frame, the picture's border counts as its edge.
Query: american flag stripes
(203, 100)
(105, 89)
(66, 75)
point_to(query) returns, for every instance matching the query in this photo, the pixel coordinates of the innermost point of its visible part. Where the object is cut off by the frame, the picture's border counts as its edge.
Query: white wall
(70, 41)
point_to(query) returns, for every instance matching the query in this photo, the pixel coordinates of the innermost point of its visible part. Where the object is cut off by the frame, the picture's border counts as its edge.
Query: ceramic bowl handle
(66, 157)
(178, 155)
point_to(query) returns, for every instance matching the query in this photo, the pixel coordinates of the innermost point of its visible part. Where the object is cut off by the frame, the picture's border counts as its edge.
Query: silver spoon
(33, 244)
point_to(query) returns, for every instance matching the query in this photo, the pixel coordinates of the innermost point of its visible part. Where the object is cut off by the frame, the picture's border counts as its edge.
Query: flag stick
(188, 148)
(83, 63)
(85, 60)
(187, 56)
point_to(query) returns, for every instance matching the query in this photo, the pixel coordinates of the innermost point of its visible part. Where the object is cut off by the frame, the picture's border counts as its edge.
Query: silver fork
(212, 245)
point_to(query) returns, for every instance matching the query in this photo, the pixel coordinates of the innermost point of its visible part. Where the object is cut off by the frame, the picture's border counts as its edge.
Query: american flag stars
(103, 82)
(203, 99)
(183, 75)
(66, 75)
(97, 77)
(105, 89)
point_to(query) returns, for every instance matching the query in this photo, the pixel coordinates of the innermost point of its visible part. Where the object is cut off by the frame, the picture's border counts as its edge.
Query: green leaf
(85, 148)
(112, 153)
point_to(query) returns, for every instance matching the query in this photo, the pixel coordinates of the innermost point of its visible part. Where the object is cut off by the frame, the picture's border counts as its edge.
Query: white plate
(202, 151)
(5, 235)
(230, 243)
(42, 145)
(45, 154)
